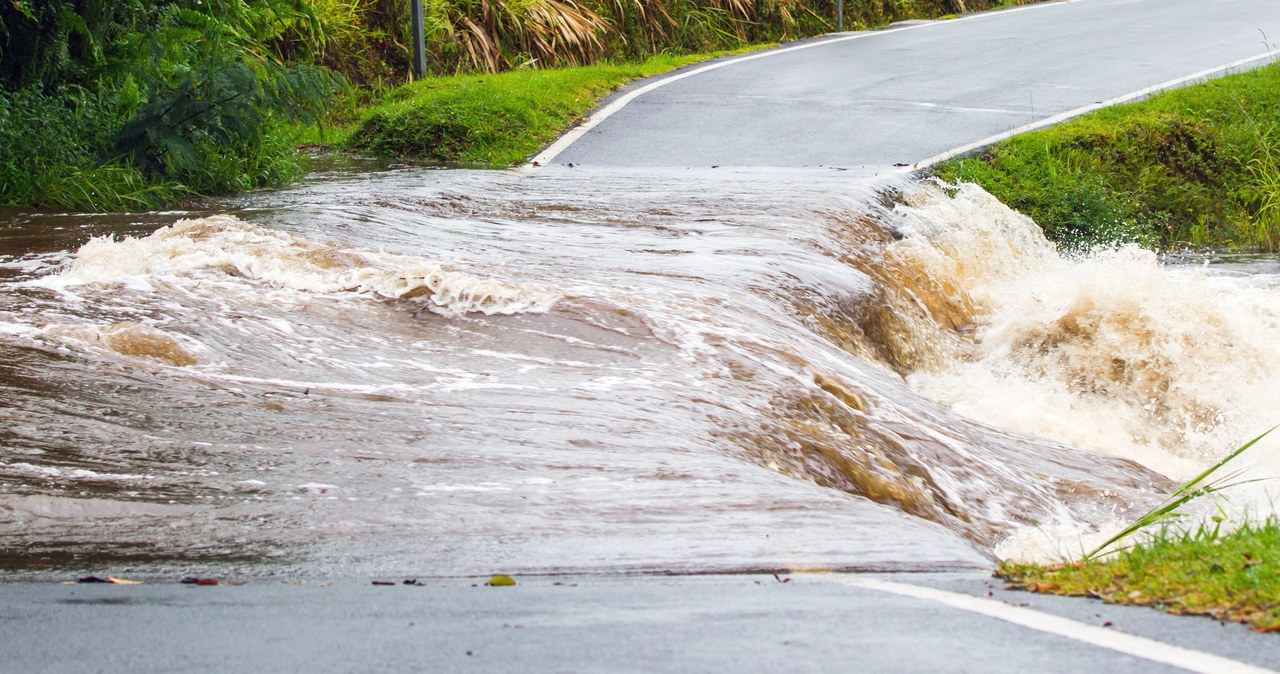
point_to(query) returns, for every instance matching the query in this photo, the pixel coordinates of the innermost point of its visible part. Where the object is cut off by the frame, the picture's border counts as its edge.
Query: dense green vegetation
(129, 103)
(1232, 576)
(119, 104)
(1198, 166)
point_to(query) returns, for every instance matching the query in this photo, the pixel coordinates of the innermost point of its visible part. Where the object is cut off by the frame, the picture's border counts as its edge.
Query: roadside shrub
(111, 105)
(40, 134)
(53, 147)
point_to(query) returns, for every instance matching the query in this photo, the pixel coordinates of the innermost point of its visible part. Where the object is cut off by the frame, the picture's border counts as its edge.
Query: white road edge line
(548, 155)
(1070, 114)
(1141, 647)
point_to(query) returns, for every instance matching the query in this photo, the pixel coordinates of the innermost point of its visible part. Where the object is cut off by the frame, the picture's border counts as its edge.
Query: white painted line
(1071, 114)
(548, 155)
(1141, 647)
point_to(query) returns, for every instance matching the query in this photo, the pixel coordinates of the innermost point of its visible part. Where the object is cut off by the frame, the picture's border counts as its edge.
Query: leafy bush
(52, 160)
(151, 98)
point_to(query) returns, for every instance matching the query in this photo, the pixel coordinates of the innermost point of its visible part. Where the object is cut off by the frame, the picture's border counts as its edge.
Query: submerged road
(905, 95)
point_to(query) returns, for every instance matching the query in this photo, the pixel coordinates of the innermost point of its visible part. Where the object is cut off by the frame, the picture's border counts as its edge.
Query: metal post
(420, 42)
(840, 16)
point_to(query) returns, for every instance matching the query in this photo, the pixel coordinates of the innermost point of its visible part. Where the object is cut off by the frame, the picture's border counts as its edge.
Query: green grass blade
(1188, 492)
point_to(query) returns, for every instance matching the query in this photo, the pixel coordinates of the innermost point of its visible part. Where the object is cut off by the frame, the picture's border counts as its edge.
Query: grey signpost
(840, 16)
(420, 42)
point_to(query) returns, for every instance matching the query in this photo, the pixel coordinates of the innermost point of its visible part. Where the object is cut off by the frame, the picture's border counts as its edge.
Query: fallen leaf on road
(501, 581)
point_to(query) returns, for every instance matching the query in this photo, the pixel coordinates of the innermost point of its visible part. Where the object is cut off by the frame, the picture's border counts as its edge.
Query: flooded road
(451, 372)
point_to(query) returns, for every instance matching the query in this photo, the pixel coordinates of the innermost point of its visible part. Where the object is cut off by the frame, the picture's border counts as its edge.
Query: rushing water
(449, 372)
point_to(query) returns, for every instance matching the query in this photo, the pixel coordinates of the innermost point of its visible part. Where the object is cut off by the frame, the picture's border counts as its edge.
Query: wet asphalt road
(903, 95)
(572, 624)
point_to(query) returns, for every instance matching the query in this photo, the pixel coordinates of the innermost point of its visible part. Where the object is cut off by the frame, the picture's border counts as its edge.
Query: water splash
(698, 371)
(231, 247)
(1172, 366)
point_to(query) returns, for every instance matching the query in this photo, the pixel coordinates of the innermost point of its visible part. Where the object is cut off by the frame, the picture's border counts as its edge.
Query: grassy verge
(1204, 572)
(1193, 167)
(1233, 576)
(487, 120)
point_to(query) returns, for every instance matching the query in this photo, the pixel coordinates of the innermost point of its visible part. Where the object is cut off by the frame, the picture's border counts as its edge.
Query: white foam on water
(223, 248)
(72, 474)
(18, 330)
(35, 263)
(1172, 367)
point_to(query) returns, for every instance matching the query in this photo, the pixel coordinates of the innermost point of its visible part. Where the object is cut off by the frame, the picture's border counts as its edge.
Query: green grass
(488, 120)
(1209, 482)
(1233, 576)
(1194, 167)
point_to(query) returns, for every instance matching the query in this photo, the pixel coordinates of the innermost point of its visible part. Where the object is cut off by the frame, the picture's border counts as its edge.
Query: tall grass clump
(1207, 483)
(1203, 570)
(1226, 576)
(366, 39)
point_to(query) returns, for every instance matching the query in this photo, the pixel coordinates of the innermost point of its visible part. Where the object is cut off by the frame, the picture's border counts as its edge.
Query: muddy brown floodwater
(451, 372)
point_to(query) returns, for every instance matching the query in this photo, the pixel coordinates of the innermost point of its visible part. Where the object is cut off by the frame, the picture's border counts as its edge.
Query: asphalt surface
(750, 623)
(903, 95)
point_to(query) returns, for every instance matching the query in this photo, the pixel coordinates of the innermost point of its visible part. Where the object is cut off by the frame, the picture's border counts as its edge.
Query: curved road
(910, 93)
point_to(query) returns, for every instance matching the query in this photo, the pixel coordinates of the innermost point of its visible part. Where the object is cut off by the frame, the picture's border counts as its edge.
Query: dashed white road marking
(1141, 647)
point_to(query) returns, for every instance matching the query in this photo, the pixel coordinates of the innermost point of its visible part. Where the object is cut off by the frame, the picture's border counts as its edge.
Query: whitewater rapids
(450, 371)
